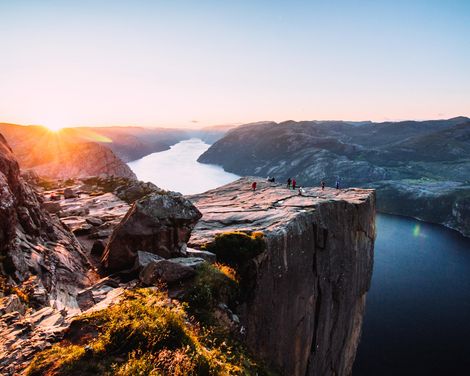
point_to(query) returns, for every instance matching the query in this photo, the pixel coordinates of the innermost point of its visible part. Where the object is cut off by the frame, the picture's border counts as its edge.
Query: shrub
(211, 286)
(236, 248)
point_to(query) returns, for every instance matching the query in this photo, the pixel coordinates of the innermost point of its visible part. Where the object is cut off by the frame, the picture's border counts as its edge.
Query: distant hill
(420, 169)
(130, 143)
(60, 155)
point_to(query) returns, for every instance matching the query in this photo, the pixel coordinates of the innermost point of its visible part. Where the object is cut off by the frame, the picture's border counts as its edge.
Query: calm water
(177, 169)
(418, 309)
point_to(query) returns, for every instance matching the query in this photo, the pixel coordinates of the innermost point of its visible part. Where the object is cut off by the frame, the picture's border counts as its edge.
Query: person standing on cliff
(337, 184)
(322, 185)
(253, 186)
(288, 182)
(294, 183)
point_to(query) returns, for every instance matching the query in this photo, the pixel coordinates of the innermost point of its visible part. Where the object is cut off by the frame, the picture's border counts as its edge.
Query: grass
(236, 248)
(6, 289)
(212, 285)
(146, 334)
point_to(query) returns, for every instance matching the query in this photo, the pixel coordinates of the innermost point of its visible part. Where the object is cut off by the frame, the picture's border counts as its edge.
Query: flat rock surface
(236, 207)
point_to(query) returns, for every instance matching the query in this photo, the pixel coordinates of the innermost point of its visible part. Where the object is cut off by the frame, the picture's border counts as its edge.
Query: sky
(197, 63)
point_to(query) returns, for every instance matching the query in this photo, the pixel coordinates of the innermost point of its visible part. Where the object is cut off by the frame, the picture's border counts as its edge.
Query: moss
(146, 334)
(236, 248)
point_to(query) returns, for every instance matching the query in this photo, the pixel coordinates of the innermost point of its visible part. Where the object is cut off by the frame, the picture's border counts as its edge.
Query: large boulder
(170, 271)
(158, 223)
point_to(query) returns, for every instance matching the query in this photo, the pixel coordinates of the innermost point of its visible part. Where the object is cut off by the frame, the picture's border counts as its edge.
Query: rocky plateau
(304, 294)
(419, 169)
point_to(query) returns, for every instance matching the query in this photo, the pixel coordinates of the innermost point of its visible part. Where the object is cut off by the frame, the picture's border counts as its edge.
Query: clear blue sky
(187, 63)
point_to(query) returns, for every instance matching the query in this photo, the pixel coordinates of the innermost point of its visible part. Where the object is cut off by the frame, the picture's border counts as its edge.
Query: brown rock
(157, 223)
(69, 193)
(208, 256)
(51, 207)
(168, 271)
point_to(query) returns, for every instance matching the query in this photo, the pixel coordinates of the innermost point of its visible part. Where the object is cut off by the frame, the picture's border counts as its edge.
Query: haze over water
(418, 307)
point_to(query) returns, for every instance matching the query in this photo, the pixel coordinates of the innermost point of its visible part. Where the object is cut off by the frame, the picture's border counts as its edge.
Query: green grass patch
(236, 248)
(212, 285)
(146, 334)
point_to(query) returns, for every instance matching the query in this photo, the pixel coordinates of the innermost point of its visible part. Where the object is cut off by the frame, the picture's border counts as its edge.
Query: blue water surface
(417, 318)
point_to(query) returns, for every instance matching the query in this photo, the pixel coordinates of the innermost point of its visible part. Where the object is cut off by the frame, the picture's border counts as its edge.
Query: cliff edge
(305, 309)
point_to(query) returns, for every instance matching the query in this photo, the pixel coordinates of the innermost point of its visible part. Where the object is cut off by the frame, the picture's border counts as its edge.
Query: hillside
(420, 169)
(58, 155)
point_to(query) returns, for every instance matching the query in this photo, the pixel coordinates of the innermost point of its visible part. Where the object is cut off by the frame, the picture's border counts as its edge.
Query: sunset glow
(54, 127)
(189, 64)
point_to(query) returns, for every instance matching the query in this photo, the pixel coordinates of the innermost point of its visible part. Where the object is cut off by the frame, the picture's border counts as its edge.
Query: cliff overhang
(305, 310)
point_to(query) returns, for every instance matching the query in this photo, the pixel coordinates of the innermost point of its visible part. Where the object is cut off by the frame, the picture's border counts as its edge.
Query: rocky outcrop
(308, 288)
(425, 163)
(83, 160)
(157, 223)
(34, 244)
(42, 269)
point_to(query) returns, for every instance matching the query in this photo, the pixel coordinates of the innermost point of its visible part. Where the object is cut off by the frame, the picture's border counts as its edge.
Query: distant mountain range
(420, 169)
(89, 151)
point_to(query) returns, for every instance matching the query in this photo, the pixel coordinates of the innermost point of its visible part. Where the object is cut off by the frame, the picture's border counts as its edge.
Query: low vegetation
(236, 248)
(149, 334)
(6, 289)
(212, 285)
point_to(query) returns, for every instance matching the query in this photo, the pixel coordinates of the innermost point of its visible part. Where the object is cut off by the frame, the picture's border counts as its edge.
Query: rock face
(42, 268)
(305, 310)
(34, 244)
(157, 223)
(85, 159)
(424, 163)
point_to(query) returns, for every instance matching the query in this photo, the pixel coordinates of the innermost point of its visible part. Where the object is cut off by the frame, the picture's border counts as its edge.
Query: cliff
(42, 268)
(307, 298)
(298, 305)
(424, 164)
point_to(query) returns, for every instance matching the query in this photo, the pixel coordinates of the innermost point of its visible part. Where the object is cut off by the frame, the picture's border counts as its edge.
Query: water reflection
(177, 169)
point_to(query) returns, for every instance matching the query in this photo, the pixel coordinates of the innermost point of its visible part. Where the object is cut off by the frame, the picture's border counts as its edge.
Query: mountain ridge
(424, 164)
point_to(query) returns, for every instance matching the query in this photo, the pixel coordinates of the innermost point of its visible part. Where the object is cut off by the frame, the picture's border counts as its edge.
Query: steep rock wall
(305, 310)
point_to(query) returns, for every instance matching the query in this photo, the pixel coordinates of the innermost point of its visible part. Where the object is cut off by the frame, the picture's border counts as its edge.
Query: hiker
(294, 183)
(301, 191)
(288, 182)
(322, 185)
(253, 186)
(337, 184)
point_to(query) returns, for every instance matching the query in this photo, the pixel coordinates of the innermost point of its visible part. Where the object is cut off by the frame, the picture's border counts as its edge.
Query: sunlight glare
(53, 126)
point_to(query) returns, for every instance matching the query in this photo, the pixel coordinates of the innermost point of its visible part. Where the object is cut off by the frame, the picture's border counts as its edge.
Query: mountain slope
(59, 155)
(420, 169)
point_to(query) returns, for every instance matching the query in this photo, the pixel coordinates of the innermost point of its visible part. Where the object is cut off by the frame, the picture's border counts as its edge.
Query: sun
(53, 126)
